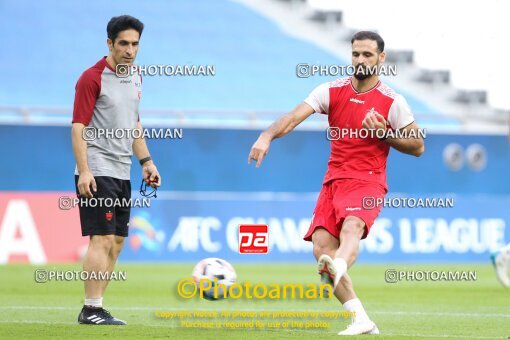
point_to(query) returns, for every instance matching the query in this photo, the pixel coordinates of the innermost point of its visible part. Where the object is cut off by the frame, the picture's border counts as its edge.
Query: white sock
(341, 268)
(96, 303)
(354, 306)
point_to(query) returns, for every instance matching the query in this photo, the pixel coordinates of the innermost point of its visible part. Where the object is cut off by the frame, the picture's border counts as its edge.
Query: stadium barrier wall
(209, 190)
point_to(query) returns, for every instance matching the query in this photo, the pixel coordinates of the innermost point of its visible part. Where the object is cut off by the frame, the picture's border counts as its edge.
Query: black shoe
(97, 316)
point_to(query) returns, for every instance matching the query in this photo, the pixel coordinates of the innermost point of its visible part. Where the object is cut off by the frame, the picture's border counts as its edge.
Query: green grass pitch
(404, 310)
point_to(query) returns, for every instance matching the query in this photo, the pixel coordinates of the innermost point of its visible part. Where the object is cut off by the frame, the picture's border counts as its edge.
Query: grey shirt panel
(115, 116)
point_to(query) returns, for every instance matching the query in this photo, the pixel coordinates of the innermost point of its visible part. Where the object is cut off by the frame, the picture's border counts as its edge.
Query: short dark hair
(122, 23)
(364, 35)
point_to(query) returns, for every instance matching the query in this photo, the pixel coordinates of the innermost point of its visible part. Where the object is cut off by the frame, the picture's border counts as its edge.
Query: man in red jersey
(357, 165)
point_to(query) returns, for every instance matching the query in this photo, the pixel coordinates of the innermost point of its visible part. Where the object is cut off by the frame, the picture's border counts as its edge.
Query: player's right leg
(98, 222)
(325, 246)
(97, 261)
(122, 215)
(117, 244)
(336, 204)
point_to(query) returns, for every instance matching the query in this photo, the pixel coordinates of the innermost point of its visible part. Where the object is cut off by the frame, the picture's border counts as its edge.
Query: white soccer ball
(215, 272)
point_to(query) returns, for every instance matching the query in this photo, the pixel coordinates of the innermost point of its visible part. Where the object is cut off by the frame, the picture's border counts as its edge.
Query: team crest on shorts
(109, 216)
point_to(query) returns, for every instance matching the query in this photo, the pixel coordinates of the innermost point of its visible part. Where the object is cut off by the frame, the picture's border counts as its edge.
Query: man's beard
(364, 72)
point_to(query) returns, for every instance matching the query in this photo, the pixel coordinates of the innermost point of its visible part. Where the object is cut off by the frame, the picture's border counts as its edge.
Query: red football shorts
(346, 197)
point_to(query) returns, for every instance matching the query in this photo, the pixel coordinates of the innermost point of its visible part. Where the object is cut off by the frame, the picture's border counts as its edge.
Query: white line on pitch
(444, 336)
(384, 334)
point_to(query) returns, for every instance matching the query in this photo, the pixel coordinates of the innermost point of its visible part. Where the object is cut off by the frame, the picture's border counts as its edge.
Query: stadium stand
(451, 63)
(255, 64)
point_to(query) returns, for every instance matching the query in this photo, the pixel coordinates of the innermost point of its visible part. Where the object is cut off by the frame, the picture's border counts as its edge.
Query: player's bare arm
(279, 128)
(149, 171)
(410, 146)
(86, 181)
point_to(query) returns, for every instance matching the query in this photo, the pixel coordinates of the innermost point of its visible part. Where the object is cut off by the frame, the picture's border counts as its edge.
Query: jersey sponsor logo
(352, 208)
(109, 216)
(357, 101)
(253, 239)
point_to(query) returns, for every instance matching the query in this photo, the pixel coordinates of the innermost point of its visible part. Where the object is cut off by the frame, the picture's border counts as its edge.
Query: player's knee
(352, 227)
(323, 243)
(119, 241)
(118, 244)
(320, 248)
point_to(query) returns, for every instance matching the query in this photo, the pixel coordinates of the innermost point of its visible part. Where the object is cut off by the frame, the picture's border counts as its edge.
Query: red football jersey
(358, 155)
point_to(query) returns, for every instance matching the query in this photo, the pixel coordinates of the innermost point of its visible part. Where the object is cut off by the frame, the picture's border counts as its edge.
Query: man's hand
(85, 182)
(151, 175)
(279, 128)
(259, 149)
(374, 121)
